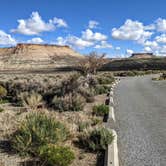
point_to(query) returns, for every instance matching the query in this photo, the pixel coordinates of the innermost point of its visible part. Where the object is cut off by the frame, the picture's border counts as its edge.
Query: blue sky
(115, 27)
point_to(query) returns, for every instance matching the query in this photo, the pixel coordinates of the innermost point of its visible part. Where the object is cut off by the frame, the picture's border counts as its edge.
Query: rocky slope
(37, 56)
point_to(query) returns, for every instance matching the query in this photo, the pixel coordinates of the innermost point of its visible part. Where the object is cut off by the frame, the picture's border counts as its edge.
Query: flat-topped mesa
(142, 55)
(25, 55)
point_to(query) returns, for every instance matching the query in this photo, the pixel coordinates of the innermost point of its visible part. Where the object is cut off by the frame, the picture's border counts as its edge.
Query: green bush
(3, 92)
(1, 109)
(56, 155)
(70, 102)
(96, 121)
(31, 100)
(88, 94)
(100, 110)
(102, 89)
(82, 126)
(105, 80)
(96, 140)
(37, 130)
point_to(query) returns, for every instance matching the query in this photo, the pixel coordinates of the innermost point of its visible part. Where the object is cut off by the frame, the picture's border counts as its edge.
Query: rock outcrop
(37, 56)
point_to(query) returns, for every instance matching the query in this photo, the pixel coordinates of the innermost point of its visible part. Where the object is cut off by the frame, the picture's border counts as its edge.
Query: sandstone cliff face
(36, 56)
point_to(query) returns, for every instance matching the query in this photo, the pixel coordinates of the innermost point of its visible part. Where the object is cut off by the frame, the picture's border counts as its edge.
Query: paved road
(140, 110)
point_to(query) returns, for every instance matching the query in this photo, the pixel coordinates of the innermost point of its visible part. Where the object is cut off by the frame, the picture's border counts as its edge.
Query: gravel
(140, 111)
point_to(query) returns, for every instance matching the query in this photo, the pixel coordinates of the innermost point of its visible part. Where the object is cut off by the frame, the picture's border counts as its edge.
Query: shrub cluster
(102, 89)
(70, 102)
(100, 110)
(37, 130)
(106, 78)
(96, 140)
(56, 155)
(39, 136)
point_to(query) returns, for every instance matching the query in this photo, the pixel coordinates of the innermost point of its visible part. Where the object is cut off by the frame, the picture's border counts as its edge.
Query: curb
(111, 154)
(112, 160)
(111, 114)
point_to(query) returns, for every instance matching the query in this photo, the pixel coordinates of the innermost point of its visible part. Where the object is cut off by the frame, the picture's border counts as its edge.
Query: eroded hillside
(36, 56)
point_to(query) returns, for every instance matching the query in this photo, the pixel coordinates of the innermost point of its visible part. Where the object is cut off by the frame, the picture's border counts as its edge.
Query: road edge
(111, 154)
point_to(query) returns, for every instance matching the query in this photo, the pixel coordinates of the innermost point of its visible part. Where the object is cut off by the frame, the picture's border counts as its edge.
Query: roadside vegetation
(161, 77)
(55, 119)
(132, 73)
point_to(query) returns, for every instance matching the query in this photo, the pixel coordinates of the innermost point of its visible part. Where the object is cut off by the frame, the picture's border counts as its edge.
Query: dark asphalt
(140, 111)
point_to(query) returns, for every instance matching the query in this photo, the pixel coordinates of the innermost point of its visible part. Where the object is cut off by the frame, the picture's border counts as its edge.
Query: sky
(115, 27)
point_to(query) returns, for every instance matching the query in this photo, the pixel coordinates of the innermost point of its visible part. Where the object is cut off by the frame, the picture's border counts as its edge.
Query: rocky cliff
(37, 56)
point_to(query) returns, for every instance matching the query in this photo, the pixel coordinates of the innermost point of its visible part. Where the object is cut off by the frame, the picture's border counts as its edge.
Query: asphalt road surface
(140, 111)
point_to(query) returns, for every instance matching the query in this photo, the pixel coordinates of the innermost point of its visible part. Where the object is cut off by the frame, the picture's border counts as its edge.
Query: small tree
(92, 63)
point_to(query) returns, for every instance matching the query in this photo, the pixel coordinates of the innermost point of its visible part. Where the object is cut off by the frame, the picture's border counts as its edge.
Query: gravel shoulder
(140, 111)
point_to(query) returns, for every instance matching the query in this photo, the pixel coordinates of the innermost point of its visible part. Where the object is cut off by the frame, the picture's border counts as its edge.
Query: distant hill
(142, 55)
(37, 56)
(155, 63)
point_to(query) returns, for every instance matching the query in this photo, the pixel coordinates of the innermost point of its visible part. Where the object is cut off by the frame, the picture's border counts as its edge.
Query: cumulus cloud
(103, 44)
(60, 22)
(93, 24)
(147, 49)
(161, 38)
(6, 39)
(35, 25)
(74, 41)
(36, 40)
(161, 25)
(89, 35)
(151, 44)
(129, 52)
(132, 30)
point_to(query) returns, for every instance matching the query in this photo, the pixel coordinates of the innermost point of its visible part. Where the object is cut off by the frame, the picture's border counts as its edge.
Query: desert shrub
(56, 155)
(37, 130)
(69, 86)
(3, 92)
(96, 139)
(96, 121)
(31, 100)
(1, 109)
(105, 80)
(82, 126)
(70, 102)
(101, 89)
(100, 110)
(87, 93)
(92, 82)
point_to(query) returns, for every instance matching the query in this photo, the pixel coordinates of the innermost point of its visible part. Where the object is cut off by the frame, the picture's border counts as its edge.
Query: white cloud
(153, 44)
(132, 30)
(161, 38)
(61, 41)
(35, 40)
(161, 25)
(35, 25)
(60, 22)
(89, 35)
(74, 41)
(117, 48)
(147, 49)
(6, 39)
(93, 24)
(103, 44)
(129, 52)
